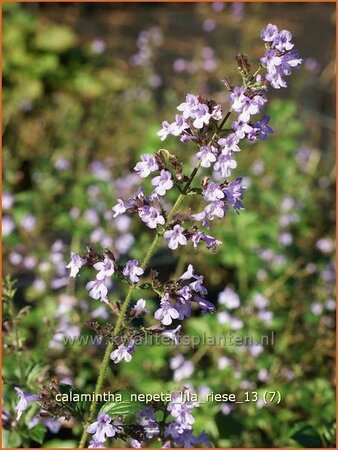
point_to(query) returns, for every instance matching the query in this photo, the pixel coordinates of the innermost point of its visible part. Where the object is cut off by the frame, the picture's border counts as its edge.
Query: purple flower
(210, 241)
(164, 132)
(217, 112)
(140, 307)
(166, 313)
(123, 352)
(229, 143)
(147, 165)
(148, 420)
(229, 298)
(24, 401)
(151, 216)
(269, 33)
(215, 209)
(283, 41)
(241, 128)
(234, 194)
(122, 206)
(237, 97)
(132, 270)
(260, 130)
(173, 334)
(75, 264)
(271, 61)
(225, 163)
(212, 192)
(106, 268)
(98, 289)
(201, 115)
(189, 273)
(251, 106)
(182, 369)
(179, 125)
(197, 285)
(163, 182)
(175, 237)
(102, 428)
(191, 101)
(206, 155)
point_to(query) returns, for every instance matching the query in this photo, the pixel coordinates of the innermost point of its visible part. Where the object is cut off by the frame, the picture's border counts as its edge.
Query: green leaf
(38, 433)
(124, 408)
(76, 407)
(307, 437)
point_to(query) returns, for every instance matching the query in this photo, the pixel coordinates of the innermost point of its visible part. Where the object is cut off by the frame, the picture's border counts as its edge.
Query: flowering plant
(169, 210)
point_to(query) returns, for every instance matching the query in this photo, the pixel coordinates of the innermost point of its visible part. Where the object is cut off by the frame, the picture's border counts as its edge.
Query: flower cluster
(280, 57)
(178, 297)
(106, 267)
(179, 430)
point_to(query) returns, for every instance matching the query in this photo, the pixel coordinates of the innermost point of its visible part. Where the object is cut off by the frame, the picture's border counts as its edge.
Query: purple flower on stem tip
(132, 270)
(175, 237)
(24, 401)
(123, 352)
(283, 41)
(163, 182)
(102, 428)
(106, 268)
(147, 165)
(206, 155)
(151, 216)
(269, 33)
(98, 289)
(75, 264)
(166, 313)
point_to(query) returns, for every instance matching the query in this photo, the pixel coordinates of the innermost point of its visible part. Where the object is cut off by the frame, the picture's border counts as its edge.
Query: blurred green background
(85, 88)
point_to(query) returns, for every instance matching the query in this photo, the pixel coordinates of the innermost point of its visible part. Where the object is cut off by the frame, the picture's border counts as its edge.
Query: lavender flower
(102, 428)
(175, 237)
(133, 271)
(151, 216)
(75, 264)
(147, 165)
(123, 352)
(147, 419)
(139, 308)
(106, 268)
(24, 401)
(98, 289)
(166, 313)
(163, 182)
(173, 334)
(207, 155)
